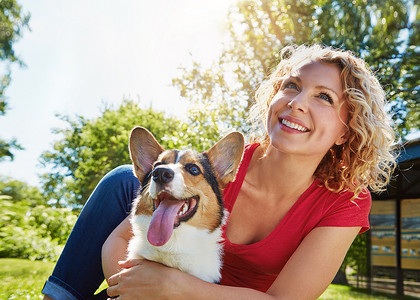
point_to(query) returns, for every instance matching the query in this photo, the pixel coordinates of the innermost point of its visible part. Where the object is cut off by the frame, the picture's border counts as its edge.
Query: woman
(299, 199)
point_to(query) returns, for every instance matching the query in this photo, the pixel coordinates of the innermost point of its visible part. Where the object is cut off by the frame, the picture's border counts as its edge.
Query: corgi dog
(178, 217)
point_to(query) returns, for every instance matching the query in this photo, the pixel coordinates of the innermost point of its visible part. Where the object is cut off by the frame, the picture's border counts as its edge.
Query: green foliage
(357, 254)
(6, 147)
(36, 233)
(384, 33)
(20, 191)
(29, 229)
(91, 148)
(12, 22)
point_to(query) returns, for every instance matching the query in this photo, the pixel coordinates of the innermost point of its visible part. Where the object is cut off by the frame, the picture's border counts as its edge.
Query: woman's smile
(292, 125)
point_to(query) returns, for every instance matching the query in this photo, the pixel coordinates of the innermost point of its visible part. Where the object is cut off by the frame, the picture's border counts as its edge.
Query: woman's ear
(343, 138)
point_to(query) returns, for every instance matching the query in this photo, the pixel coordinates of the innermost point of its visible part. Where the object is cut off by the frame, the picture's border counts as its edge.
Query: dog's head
(181, 185)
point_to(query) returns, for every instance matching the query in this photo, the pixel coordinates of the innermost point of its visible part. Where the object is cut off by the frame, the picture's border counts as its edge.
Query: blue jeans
(78, 272)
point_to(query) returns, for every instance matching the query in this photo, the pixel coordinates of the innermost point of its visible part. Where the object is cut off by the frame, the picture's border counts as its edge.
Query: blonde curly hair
(367, 158)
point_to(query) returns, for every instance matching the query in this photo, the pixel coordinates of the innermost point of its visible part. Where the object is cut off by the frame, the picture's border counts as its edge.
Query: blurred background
(76, 76)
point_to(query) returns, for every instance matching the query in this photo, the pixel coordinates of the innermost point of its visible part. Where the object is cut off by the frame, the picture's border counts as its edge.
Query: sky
(81, 54)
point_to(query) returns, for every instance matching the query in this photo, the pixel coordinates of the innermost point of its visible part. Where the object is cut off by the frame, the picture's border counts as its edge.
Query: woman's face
(307, 115)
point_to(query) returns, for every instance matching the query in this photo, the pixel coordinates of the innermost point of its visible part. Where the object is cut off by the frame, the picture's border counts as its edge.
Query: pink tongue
(163, 219)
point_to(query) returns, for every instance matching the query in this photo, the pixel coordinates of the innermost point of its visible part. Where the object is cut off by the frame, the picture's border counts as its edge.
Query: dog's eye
(158, 164)
(193, 169)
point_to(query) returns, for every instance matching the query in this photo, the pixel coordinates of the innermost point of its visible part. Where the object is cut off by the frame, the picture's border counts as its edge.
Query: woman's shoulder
(344, 193)
(333, 199)
(329, 199)
(344, 210)
(250, 148)
(246, 159)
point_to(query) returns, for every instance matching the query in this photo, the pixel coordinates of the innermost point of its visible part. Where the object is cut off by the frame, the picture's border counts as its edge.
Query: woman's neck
(281, 174)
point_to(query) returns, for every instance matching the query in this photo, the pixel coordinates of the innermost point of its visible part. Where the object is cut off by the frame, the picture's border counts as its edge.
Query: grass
(24, 279)
(342, 292)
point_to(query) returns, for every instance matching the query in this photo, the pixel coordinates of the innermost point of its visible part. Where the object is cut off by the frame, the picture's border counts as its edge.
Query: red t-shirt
(257, 265)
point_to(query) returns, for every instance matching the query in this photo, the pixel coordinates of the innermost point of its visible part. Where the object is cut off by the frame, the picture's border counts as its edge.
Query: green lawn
(24, 279)
(341, 292)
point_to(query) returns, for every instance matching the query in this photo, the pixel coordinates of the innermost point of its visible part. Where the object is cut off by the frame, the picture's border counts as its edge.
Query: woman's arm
(115, 248)
(305, 276)
(314, 264)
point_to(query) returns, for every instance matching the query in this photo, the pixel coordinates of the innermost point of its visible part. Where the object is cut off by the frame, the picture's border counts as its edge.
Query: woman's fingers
(116, 281)
(113, 280)
(112, 291)
(140, 279)
(129, 263)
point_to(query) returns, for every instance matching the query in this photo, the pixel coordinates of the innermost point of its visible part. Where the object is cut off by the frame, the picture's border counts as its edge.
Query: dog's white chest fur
(191, 250)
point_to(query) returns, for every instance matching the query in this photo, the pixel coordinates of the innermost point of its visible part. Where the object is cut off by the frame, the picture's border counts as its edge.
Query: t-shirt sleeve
(344, 212)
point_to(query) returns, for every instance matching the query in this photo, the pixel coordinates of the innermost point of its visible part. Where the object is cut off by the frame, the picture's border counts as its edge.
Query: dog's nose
(163, 175)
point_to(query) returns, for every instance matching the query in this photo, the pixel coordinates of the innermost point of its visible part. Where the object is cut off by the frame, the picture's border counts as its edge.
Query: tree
(90, 148)
(356, 257)
(20, 191)
(384, 33)
(29, 228)
(6, 148)
(12, 23)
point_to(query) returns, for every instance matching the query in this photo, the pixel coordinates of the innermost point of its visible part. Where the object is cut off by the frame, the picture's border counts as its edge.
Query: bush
(33, 232)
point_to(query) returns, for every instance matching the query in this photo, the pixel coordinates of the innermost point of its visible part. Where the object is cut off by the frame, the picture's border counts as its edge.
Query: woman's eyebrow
(321, 87)
(293, 78)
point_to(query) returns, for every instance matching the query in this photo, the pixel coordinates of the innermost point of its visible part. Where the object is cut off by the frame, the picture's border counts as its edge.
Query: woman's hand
(143, 279)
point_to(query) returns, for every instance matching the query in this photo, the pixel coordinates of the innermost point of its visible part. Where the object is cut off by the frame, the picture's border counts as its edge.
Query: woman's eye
(193, 169)
(325, 97)
(291, 85)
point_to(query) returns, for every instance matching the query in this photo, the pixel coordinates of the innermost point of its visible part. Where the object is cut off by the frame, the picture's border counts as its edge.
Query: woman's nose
(299, 103)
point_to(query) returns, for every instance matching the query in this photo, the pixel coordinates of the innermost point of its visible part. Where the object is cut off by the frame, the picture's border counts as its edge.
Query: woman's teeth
(293, 125)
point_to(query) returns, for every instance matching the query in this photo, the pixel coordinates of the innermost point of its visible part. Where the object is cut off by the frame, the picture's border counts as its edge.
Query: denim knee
(120, 182)
(78, 272)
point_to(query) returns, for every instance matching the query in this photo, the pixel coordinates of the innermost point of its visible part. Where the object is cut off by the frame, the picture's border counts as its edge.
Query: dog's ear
(144, 150)
(225, 157)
